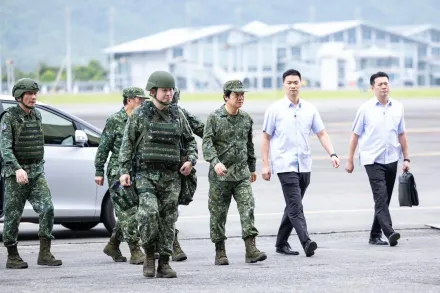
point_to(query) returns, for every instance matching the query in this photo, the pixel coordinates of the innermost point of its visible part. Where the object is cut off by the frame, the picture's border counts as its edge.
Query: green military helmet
(160, 79)
(176, 96)
(24, 85)
(234, 86)
(133, 92)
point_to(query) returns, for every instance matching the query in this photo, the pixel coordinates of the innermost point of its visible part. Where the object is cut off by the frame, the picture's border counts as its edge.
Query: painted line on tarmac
(321, 212)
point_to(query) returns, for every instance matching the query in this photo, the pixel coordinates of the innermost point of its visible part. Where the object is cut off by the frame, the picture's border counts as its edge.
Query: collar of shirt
(24, 113)
(289, 103)
(123, 114)
(225, 113)
(376, 102)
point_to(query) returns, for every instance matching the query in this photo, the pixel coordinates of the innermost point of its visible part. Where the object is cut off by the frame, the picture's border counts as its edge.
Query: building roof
(318, 29)
(410, 30)
(322, 29)
(167, 39)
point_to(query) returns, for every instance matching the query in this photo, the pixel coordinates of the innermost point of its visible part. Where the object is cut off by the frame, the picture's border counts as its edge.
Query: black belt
(28, 162)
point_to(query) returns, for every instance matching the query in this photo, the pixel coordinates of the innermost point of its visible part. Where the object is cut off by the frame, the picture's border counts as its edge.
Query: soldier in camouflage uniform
(228, 147)
(22, 151)
(111, 139)
(157, 181)
(197, 128)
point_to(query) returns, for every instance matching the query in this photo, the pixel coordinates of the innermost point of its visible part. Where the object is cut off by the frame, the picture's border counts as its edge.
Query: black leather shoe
(378, 241)
(310, 247)
(285, 249)
(393, 238)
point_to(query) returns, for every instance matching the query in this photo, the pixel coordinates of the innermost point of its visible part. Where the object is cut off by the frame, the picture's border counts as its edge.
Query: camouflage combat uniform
(197, 127)
(157, 180)
(22, 147)
(126, 225)
(228, 140)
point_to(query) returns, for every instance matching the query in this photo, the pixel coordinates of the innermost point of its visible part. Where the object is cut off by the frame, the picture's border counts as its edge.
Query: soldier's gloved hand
(125, 180)
(21, 176)
(186, 168)
(99, 180)
(220, 169)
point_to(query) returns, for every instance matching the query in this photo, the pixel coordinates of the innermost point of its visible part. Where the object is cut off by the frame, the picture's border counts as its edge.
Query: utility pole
(68, 52)
(111, 24)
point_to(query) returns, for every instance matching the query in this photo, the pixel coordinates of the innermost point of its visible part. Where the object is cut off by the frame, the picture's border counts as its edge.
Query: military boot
(14, 260)
(163, 269)
(137, 256)
(45, 257)
(252, 253)
(178, 254)
(220, 254)
(149, 263)
(112, 249)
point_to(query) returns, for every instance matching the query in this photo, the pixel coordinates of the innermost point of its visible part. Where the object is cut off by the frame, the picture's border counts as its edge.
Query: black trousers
(294, 187)
(382, 178)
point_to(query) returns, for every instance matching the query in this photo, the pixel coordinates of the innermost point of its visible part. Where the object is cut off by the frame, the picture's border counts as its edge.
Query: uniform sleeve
(6, 143)
(194, 122)
(105, 145)
(252, 160)
(189, 142)
(131, 134)
(209, 152)
(359, 121)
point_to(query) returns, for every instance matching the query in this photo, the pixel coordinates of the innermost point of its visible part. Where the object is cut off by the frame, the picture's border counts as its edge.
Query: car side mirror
(80, 138)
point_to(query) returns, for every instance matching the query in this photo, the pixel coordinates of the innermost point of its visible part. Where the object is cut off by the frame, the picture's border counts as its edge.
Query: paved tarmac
(339, 211)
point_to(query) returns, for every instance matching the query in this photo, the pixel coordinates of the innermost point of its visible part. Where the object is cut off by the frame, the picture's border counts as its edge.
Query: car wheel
(80, 226)
(108, 214)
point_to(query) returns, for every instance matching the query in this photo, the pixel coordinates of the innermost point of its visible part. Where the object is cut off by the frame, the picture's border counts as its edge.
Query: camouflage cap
(234, 86)
(132, 92)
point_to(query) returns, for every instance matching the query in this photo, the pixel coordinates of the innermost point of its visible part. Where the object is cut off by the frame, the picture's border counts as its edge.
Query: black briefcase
(408, 195)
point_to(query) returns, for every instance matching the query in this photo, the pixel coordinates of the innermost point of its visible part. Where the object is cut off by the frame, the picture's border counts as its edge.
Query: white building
(329, 55)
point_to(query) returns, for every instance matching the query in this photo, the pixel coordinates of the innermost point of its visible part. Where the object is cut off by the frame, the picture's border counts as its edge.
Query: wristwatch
(333, 155)
(193, 162)
(407, 160)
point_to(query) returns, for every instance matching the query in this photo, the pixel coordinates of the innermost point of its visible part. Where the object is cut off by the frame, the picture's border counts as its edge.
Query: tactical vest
(28, 139)
(161, 143)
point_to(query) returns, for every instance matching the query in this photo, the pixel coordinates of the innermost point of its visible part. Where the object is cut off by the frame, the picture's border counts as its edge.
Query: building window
(267, 82)
(296, 52)
(408, 62)
(366, 33)
(267, 68)
(435, 36)
(421, 80)
(281, 54)
(380, 35)
(436, 52)
(177, 52)
(352, 36)
(394, 39)
(281, 66)
(422, 66)
(422, 51)
(338, 37)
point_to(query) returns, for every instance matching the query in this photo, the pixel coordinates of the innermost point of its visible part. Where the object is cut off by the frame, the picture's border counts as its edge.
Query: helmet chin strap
(160, 102)
(20, 100)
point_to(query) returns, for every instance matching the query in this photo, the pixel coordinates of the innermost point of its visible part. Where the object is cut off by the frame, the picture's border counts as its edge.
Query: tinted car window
(57, 129)
(92, 136)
